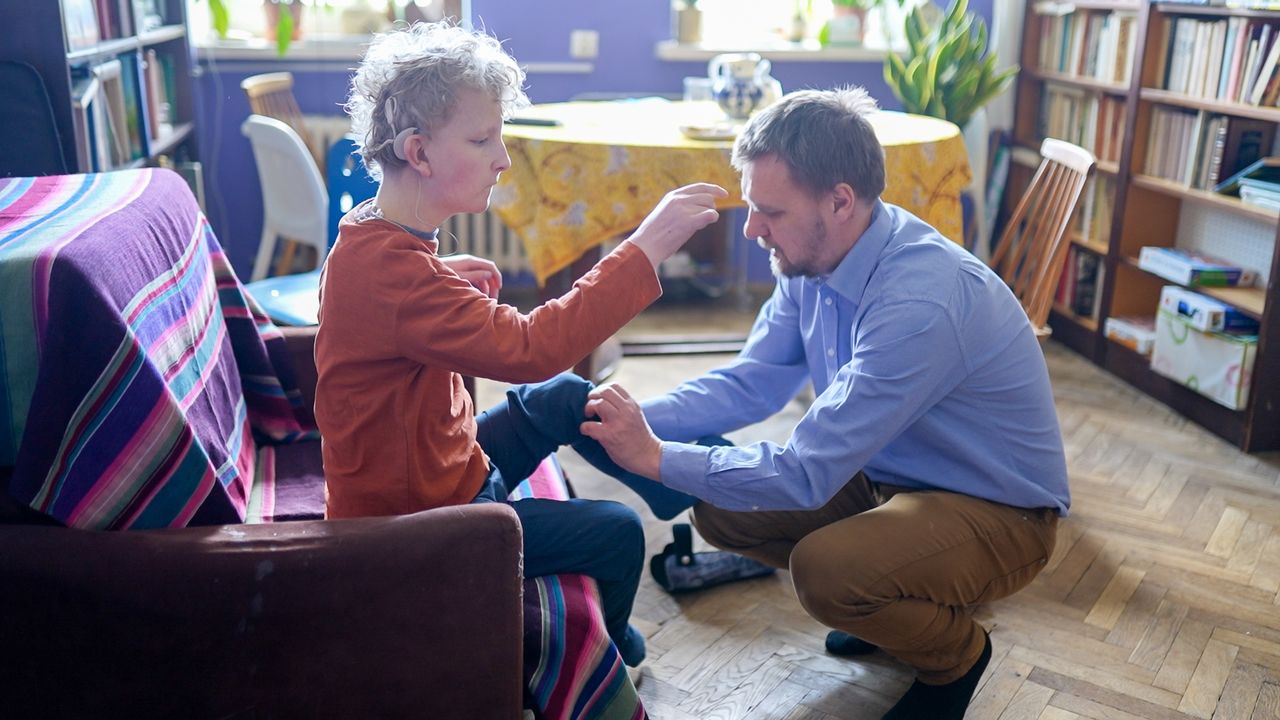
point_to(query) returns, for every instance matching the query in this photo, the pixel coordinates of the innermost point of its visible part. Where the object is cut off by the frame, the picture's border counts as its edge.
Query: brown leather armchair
(412, 616)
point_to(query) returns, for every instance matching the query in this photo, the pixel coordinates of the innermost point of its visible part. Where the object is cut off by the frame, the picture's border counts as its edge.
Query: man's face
(466, 155)
(784, 219)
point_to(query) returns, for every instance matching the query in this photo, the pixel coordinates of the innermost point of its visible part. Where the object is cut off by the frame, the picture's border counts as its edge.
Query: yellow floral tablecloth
(598, 174)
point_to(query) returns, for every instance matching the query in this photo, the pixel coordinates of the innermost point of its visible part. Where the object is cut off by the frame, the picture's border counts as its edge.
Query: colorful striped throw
(136, 377)
(571, 668)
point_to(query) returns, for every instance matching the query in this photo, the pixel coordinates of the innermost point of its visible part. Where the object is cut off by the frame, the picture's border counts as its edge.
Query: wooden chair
(271, 95)
(1032, 250)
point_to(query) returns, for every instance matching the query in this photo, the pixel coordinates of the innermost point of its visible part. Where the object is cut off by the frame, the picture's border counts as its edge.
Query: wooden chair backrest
(271, 94)
(1032, 250)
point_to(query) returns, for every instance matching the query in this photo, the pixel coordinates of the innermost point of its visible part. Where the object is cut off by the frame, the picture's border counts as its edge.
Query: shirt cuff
(684, 467)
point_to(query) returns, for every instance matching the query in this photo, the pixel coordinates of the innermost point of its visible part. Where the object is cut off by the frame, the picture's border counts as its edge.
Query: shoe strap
(683, 543)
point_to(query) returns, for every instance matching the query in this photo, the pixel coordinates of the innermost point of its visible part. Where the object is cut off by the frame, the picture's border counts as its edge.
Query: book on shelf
(1192, 268)
(80, 24)
(1260, 193)
(84, 92)
(1265, 169)
(1080, 285)
(115, 137)
(147, 15)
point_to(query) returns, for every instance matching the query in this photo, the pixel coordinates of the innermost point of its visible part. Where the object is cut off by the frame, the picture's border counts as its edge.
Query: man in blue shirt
(928, 475)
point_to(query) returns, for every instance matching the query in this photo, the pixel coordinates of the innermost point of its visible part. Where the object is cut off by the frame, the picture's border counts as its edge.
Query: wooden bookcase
(159, 125)
(1149, 210)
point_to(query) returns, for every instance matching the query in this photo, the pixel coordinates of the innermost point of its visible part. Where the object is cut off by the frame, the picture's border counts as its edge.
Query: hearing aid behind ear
(397, 146)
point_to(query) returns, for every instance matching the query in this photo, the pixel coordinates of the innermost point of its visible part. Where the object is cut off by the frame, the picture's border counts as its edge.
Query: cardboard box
(1216, 365)
(1205, 314)
(1136, 333)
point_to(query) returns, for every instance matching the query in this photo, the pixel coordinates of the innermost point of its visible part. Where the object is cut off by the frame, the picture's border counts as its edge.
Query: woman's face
(466, 155)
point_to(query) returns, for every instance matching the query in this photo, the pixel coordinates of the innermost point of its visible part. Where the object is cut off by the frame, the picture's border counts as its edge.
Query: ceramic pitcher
(741, 83)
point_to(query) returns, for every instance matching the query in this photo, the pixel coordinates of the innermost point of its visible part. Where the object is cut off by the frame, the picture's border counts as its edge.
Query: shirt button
(828, 301)
(831, 352)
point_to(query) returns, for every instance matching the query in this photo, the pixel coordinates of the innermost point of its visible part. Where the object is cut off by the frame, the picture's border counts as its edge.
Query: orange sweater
(397, 326)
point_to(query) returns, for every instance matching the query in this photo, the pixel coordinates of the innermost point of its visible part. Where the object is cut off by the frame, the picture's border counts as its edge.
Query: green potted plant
(948, 72)
(282, 23)
(848, 23)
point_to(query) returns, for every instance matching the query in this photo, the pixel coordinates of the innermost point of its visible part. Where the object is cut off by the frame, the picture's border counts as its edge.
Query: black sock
(942, 702)
(844, 644)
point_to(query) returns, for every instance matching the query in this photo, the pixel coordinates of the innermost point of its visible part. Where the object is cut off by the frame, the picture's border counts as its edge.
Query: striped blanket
(571, 668)
(135, 375)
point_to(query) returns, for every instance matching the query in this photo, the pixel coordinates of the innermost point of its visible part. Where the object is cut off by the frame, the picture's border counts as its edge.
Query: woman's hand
(481, 273)
(623, 432)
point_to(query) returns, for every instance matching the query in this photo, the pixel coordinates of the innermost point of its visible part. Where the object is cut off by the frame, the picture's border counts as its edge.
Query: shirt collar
(851, 276)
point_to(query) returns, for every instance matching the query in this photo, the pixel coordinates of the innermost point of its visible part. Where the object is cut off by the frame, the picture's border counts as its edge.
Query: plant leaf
(284, 29)
(218, 13)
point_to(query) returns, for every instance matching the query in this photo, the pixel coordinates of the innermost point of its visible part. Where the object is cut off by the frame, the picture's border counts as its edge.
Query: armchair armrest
(411, 616)
(301, 342)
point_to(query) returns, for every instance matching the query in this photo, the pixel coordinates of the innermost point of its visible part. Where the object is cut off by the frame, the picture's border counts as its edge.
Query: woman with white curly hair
(400, 323)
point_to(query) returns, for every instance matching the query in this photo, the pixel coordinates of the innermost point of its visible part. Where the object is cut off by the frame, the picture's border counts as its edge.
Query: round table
(598, 172)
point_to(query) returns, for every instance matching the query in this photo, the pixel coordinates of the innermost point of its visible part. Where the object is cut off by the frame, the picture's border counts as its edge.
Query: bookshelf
(118, 74)
(1077, 61)
(1188, 118)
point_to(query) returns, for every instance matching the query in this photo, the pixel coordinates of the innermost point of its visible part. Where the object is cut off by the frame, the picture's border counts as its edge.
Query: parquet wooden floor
(1161, 600)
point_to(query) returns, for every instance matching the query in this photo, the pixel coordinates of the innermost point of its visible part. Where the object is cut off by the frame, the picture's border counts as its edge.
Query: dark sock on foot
(632, 647)
(942, 702)
(844, 644)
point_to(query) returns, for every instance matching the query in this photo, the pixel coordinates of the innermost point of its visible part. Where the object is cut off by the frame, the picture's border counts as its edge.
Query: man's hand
(623, 431)
(481, 273)
(679, 214)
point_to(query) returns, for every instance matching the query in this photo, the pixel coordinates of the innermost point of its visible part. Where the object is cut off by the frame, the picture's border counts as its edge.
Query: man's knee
(719, 527)
(829, 585)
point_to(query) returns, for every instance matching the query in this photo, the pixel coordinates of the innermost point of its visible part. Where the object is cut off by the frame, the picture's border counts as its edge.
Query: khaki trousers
(897, 567)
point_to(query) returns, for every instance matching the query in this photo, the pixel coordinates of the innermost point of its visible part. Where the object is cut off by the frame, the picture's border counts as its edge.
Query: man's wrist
(651, 462)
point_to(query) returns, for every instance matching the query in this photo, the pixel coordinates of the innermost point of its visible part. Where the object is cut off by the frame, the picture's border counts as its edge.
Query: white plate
(710, 132)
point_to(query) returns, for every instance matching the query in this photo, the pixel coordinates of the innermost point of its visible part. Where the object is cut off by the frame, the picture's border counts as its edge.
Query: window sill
(777, 51)
(335, 48)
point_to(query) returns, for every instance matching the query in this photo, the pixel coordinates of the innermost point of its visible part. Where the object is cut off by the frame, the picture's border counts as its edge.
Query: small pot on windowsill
(848, 24)
(275, 10)
(688, 22)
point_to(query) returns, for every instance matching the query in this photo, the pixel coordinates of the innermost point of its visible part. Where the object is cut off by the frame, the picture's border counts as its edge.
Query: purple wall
(535, 32)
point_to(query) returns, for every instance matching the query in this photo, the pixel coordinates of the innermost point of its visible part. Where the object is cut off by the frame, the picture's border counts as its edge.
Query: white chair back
(294, 202)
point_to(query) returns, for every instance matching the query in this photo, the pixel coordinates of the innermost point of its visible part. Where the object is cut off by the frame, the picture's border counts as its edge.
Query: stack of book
(1192, 268)
(1260, 193)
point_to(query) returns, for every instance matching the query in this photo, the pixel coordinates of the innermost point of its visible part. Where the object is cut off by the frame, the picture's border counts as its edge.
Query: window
(317, 18)
(763, 24)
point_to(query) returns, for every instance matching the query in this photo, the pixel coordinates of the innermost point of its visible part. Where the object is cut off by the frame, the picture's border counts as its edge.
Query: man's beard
(782, 267)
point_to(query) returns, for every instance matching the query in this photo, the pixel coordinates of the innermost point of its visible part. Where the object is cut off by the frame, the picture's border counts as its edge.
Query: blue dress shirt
(927, 374)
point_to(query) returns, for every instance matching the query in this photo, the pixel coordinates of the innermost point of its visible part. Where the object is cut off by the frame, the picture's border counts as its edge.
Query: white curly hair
(411, 77)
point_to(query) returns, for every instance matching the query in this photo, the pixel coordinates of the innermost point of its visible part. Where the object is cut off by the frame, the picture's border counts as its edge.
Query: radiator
(486, 236)
(482, 235)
